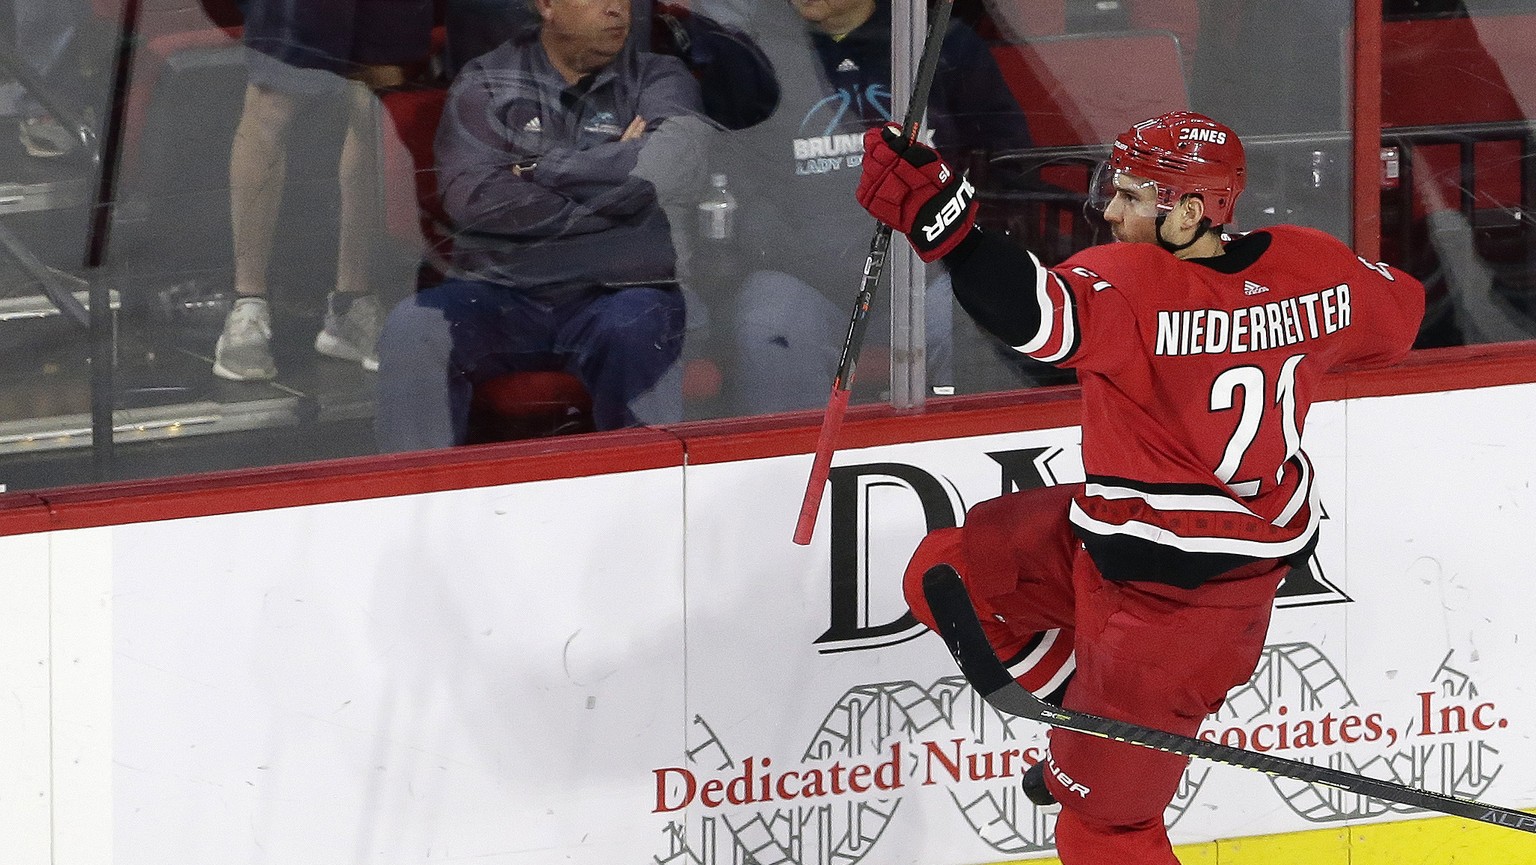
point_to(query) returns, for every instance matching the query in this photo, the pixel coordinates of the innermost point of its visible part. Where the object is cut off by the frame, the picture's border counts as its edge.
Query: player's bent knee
(941, 546)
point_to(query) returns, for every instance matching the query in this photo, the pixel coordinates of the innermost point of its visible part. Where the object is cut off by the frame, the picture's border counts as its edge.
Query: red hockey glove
(909, 187)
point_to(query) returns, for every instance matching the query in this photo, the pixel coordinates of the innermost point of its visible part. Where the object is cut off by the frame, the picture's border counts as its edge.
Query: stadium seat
(1076, 90)
(528, 405)
(183, 102)
(1015, 20)
(1456, 96)
(1437, 72)
(1076, 94)
(180, 106)
(414, 112)
(1181, 17)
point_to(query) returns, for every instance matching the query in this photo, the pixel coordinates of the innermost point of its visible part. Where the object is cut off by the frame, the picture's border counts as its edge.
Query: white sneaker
(351, 331)
(46, 138)
(244, 350)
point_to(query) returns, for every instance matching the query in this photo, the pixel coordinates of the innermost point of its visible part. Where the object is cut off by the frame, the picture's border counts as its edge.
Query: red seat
(1462, 70)
(182, 105)
(528, 405)
(1076, 90)
(164, 31)
(415, 112)
(169, 16)
(1017, 20)
(1180, 17)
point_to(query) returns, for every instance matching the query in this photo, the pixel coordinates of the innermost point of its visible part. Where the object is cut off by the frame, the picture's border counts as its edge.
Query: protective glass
(1138, 196)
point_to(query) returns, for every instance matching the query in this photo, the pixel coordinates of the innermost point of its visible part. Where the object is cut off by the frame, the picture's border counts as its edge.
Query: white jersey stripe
(1047, 309)
(1171, 501)
(1246, 489)
(1023, 665)
(1303, 491)
(1061, 676)
(1041, 654)
(1068, 329)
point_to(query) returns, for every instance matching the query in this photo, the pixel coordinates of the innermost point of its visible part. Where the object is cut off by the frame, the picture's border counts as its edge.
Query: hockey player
(1198, 358)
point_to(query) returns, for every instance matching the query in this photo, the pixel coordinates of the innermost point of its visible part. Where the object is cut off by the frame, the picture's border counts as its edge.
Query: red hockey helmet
(1185, 153)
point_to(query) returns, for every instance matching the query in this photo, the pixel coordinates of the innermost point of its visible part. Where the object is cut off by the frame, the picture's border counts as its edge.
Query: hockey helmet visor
(1139, 195)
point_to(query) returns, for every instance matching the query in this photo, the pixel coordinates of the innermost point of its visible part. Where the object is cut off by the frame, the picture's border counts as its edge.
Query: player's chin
(1132, 234)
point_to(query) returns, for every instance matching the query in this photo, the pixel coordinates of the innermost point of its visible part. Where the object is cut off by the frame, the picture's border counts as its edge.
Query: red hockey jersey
(1196, 379)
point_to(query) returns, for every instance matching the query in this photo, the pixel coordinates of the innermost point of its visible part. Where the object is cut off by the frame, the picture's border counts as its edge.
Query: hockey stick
(958, 625)
(874, 265)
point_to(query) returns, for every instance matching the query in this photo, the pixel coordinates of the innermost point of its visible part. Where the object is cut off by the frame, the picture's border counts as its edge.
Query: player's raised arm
(909, 186)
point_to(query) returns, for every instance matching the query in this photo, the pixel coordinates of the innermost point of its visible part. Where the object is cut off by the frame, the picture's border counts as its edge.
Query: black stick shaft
(874, 266)
(880, 244)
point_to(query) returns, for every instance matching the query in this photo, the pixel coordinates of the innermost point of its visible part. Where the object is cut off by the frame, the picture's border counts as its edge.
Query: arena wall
(607, 649)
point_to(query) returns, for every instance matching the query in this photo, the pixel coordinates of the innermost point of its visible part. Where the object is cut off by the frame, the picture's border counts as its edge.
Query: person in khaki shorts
(301, 52)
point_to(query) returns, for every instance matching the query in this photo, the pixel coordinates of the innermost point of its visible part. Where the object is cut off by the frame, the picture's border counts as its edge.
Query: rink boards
(616, 654)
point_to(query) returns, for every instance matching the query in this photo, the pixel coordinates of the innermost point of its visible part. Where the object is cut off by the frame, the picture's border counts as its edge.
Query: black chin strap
(1176, 248)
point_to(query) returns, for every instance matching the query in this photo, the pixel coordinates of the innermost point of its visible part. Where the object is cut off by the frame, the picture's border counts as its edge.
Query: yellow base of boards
(1434, 841)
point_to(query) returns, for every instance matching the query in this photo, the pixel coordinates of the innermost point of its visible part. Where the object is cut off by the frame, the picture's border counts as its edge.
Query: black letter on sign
(1026, 469)
(851, 519)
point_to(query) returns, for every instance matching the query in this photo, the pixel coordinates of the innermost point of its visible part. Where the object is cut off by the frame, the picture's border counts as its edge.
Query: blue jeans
(789, 338)
(622, 344)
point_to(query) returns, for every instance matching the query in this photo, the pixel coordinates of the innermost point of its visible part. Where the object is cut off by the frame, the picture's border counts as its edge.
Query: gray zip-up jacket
(573, 215)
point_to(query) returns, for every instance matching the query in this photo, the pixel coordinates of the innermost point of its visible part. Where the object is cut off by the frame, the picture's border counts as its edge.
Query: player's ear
(1191, 210)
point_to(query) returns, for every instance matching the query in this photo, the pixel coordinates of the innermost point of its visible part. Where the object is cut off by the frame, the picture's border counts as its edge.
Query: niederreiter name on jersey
(1276, 324)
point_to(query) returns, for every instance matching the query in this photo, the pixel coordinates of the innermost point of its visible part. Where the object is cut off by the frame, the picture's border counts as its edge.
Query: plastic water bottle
(1318, 176)
(717, 212)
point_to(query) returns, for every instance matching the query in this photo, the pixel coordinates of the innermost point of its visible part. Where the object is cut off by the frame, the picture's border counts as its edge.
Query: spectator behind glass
(737, 82)
(549, 156)
(804, 235)
(303, 56)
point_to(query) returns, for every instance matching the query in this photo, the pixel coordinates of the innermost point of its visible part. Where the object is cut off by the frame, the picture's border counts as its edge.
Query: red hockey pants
(1147, 653)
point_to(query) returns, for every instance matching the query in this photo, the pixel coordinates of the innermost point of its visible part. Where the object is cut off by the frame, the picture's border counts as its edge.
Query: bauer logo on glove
(908, 186)
(955, 207)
